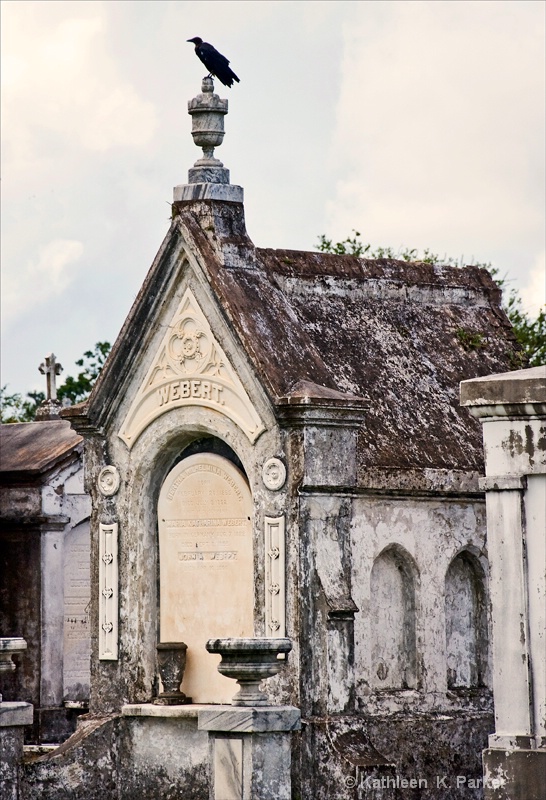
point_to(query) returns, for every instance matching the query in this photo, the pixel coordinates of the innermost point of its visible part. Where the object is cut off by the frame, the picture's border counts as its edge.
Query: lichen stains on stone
(529, 444)
(514, 443)
(517, 445)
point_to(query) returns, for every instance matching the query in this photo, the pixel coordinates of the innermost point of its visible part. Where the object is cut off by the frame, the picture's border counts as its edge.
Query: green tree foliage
(78, 389)
(16, 408)
(531, 334)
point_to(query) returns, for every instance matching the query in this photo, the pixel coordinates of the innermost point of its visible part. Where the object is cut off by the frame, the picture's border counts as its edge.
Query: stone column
(328, 423)
(52, 551)
(13, 718)
(512, 409)
(250, 751)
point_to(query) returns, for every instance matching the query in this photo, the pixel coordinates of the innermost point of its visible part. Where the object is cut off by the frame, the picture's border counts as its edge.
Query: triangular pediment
(190, 369)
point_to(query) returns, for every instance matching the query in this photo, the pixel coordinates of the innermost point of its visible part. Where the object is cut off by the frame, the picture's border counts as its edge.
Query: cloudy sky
(421, 124)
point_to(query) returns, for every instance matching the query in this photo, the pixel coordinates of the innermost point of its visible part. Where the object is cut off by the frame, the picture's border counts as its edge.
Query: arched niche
(466, 622)
(392, 620)
(206, 572)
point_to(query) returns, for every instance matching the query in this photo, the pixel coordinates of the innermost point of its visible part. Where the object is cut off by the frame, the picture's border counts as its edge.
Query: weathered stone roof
(32, 448)
(402, 334)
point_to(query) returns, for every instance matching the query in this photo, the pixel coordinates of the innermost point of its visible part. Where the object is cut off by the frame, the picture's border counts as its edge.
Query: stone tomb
(206, 566)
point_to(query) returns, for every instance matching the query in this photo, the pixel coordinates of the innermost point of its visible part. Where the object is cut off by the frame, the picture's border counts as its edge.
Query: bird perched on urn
(215, 62)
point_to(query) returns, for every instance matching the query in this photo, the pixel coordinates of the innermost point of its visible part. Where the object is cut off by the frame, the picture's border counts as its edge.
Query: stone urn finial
(249, 662)
(208, 111)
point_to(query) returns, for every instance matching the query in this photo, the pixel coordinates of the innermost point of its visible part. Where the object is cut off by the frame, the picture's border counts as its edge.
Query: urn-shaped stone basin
(10, 646)
(249, 661)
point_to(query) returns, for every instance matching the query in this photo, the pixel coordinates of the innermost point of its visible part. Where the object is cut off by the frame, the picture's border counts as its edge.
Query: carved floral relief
(190, 368)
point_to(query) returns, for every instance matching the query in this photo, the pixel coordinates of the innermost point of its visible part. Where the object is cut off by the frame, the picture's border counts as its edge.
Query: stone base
(225, 192)
(15, 714)
(167, 699)
(250, 751)
(514, 775)
(13, 718)
(208, 174)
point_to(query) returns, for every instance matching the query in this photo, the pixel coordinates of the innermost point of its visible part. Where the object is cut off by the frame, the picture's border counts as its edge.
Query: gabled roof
(33, 448)
(402, 334)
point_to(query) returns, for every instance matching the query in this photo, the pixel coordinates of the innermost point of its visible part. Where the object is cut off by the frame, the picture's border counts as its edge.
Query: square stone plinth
(15, 714)
(246, 719)
(250, 750)
(514, 774)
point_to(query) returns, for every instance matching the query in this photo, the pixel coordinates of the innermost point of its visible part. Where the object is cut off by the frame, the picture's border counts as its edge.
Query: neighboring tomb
(44, 574)
(512, 410)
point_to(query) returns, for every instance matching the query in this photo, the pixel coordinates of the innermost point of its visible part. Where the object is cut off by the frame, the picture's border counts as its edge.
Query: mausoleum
(44, 572)
(275, 448)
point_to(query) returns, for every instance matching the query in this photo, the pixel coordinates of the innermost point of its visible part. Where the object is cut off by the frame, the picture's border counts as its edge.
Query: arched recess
(466, 622)
(393, 620)
(206, 568)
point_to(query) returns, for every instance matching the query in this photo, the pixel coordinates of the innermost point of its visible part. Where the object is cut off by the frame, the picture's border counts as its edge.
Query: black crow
(215, 62)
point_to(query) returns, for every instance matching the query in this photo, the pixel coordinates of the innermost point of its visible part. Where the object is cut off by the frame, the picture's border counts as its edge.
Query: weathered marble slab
(12, 714)
(250, 720)
(151, 710)
(206, 566)
(228, 769)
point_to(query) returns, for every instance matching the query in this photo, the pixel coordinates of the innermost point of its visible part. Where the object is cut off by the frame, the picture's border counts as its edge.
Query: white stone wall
(63, 497)
(420, 582)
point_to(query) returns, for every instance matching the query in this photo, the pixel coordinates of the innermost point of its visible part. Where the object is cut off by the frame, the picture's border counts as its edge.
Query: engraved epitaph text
(77, 641)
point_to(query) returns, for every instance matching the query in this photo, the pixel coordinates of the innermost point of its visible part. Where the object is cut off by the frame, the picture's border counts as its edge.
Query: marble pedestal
(517, 774)
(13, 718)
(250, 751)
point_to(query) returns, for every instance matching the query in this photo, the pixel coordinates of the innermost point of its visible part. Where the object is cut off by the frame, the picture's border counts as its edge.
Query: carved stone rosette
(108, 481)
(274, 474)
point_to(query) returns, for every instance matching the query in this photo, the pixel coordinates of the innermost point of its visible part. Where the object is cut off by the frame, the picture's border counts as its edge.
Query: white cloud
(42, 279)
(57, 78)
(440, 128)
(533, 294)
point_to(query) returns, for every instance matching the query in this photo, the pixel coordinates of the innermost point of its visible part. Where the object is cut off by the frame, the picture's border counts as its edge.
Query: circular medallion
(274, 474)
(108, 481)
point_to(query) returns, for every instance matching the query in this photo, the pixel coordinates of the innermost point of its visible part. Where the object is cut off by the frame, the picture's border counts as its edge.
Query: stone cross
(51, 368)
